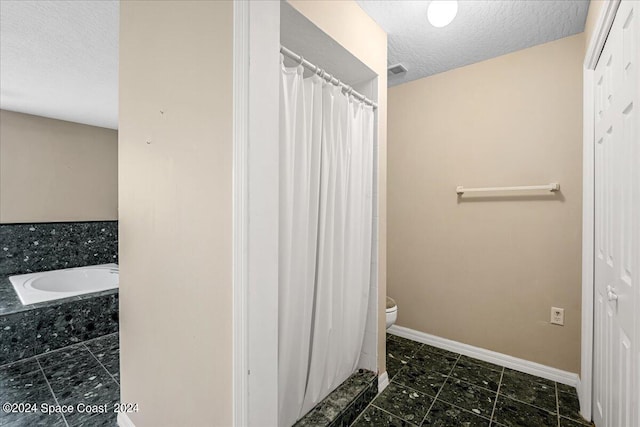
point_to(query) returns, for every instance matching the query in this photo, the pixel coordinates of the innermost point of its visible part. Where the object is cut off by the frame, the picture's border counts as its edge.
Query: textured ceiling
(59, 59)
(481, 30)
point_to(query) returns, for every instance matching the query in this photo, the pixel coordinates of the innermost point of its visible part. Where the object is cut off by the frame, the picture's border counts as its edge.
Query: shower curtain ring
(301, 59)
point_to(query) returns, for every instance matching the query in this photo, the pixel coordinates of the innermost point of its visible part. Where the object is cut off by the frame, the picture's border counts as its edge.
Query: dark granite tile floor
(429, 387)
(86, 374)
(435, 387)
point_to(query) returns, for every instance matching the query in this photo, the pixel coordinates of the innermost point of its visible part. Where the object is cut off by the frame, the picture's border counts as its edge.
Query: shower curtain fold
(326, 206)
(300, 130)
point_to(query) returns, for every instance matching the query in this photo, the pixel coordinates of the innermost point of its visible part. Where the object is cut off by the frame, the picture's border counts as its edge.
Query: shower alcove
(352, 49)
(349, 397)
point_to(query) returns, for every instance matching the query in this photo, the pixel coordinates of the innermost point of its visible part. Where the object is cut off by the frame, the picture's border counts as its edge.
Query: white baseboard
(124, 420)
(543, 371)
(383, 381)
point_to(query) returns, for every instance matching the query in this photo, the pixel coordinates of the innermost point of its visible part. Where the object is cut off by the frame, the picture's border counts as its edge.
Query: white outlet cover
(557, 316)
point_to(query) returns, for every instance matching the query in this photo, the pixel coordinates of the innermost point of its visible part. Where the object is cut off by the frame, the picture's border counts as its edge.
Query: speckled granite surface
(87, 373)
(434, 387)
(26, 331)
(10, 303)
(40, 328)
(28, 248)
(345, 403)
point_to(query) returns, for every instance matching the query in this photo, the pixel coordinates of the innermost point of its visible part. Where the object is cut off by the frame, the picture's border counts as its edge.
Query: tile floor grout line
(390, 381)
(368, 405)
(343, 411)
(26, 359)
(394, 415)
(450, 404)
(100, 363)
(4, 365)
(391, 378)
(444, 401)
(413, 389)
(441, 387)
(496, 401)
(51, 390)
(462, 410)
(417, 350)
(94, 339)
(478, 386)
(399, 370)
(404, 366)
(529, 404)
(533, 381)
(360, 414)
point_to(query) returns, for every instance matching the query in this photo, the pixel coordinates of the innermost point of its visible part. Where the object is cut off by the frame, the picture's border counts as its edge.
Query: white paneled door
(616, 381)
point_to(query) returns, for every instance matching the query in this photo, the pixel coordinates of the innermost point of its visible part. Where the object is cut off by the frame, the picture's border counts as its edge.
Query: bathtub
(51, 285)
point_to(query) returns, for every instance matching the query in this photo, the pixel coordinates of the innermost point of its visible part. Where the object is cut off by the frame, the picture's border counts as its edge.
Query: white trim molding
(600, 33)
(256, 43)
(262, 214)
(383, 381)
(522, 365)
(595, 46)
(240, 214)
(124, 420)
(586, 341)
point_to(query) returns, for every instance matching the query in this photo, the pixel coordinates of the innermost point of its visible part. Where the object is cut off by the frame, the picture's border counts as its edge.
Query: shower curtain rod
(328, 77)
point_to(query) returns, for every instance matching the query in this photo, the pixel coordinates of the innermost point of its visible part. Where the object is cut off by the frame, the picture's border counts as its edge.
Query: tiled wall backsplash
(28, 248)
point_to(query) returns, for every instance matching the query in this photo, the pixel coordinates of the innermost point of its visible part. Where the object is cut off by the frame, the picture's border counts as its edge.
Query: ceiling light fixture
(441, 12)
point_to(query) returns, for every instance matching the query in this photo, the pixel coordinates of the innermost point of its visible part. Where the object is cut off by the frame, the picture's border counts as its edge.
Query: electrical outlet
(557, 316)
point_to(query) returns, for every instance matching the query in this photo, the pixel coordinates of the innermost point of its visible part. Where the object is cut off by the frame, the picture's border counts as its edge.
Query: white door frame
(256, 46)
(240, 202)
(595, 46)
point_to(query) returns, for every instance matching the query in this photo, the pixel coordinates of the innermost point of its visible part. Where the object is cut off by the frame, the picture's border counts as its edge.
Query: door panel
(598, 358)
(623, 393)
(617, 213)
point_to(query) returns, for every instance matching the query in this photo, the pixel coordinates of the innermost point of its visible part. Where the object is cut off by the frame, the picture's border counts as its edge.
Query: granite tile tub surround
(434, 387)
(26, 331)
(41, 328)
(345, 403)
(29, 248)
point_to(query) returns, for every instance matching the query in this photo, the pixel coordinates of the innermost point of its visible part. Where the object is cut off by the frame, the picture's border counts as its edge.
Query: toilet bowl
(392, 312)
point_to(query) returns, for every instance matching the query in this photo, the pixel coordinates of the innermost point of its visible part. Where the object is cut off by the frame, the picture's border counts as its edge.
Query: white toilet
(392, 312)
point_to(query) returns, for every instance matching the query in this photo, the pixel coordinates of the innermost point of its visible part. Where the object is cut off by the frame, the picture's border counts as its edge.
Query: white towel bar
(554, 186)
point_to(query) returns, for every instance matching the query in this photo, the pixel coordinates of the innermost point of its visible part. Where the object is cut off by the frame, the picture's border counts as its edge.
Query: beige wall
(52, 170)
(486, 272)
(175, 211)
(350, 26)
(595, 9)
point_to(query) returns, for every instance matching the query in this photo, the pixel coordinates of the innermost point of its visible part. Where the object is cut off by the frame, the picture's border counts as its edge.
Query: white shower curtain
(326, 185)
